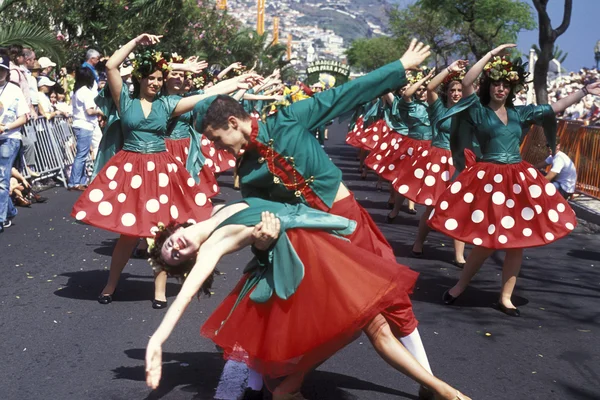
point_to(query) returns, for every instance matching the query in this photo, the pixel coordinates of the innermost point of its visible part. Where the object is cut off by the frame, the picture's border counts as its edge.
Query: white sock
(415, 347)
(255, 380)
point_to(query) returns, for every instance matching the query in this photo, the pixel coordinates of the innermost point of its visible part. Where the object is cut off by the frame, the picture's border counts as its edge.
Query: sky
(579, 40)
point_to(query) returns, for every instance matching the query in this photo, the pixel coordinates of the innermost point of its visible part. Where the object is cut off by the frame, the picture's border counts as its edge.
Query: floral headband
(147, 62)
(499, 68)
(416, 77)
(160, 228)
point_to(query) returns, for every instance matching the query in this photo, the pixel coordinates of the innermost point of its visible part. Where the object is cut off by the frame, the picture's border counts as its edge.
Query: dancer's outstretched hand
(197, 66)
(498, 51)
(146, 39)
(458, 66)
(153, 363)
(416, 53)
(266, 231)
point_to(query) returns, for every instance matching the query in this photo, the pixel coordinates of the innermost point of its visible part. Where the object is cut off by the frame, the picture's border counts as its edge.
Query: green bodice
(393, 118)
(414, 114)
(440, 134)
(112, 135)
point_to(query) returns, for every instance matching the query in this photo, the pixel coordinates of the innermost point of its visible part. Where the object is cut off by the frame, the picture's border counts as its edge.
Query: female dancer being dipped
(433, 167)
(277, 297)
(141, 184)
(500, 201)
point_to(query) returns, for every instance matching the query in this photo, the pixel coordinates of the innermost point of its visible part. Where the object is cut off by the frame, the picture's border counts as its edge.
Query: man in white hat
(44, 104)
(46, 64)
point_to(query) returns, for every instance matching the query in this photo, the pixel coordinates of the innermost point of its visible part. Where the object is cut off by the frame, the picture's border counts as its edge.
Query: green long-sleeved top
(393, 118)
(414, 114)
(440, 134)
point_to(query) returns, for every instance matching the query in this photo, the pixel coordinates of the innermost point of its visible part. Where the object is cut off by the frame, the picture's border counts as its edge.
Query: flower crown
(499, 68)
(416, 77)
(147, 62)
(160, 227)
(177, 59)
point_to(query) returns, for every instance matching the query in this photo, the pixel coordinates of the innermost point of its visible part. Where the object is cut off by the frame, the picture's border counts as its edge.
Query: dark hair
(14, 51)
(220, 110)
(180, 270)
(444, 90)
(484, 92)
(83, 77)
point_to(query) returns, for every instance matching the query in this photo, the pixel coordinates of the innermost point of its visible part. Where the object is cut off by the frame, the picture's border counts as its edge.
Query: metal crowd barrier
(55, 147)
(581, 143)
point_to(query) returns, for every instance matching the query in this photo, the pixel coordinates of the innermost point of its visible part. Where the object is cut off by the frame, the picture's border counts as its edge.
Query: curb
(584, 212)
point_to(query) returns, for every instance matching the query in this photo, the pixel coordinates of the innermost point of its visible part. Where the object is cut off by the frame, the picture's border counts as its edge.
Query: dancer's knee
(378, 329)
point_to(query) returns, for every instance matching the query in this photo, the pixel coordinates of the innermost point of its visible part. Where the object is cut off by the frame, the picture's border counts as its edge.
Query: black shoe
(416, 254)
(426, 393)
(251, 394)
(141, 254)
(105, 298)
(448, 299)
(159, 305)
(390, 220)
(411, 211)
(459, 264)
(512, 312)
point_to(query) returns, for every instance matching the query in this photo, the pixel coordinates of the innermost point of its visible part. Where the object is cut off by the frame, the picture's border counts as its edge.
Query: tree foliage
(369, 54)
(557, 53)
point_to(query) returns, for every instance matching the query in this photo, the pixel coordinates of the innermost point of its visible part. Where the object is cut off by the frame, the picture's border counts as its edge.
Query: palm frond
(4, 5)
(34, 36)
(146, 7)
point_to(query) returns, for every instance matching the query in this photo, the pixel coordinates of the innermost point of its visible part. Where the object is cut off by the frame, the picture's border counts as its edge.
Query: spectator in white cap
(46, 64)
(44, 104)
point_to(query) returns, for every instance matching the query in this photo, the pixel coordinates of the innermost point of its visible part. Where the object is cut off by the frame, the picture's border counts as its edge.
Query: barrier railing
(580, 143)
(55, 146)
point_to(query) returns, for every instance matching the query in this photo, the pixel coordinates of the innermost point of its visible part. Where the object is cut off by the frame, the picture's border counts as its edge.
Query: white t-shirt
(12, 106)
(82, 100)
(565, 169)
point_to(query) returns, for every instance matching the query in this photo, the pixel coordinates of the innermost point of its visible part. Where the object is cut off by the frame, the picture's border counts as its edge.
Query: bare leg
(475, 260)
(363, 169)
(510, 271)
(411, 205)
(160, 285)
(459, 251)
(423, 231)
(120, 256)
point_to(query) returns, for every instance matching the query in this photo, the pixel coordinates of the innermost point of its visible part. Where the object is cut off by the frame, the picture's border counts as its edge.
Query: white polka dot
(393, 142)
(488, 188)
(231, 163)
(425, 153)
(112, 185)
(164, 199)
(516, 188)
(363, 140)
(445, 176)
(111, 172)
(209, 162)
(191, 182)
(451, 224)
(383, 147)
(498, 178)
(435, 168)
(535, 191)
(430, 180)
(375, 129)
(450, 161)
(481, 174)
(169, 167)
(560, 207)
(375, 138)
(136, 181)
(510, 203)
(428, 166)
(215, 188)
(498, 198)
(403, 156)
(502, 239)
(477, 216)
(410, 151)
(128, 219)
(532, 172)
(527, 232)
(527, 214)
(538, 209)
(477, 242)
(174, 212)
(391, 167)
(455, 188)
(178, 158)
(549, 236)
(150, 166)
(553, 216)
(468, 197)
(569, 226)
(403, 189)
(508, 222)
(96, 195)
(415, 163)
(212, 151)
(206, 142)
(191, 221)
(175, 167)
(419, 173)
(185, 150)
(444, 160)
(550, 189)
(200, 199)
(152, 206)
(428, 202)
(128, 167)
(431, 215)
(80, 215)
(105, 208)
(217, 168)
(444, 205)
(122, 197)
(491, 229)
(163, 179)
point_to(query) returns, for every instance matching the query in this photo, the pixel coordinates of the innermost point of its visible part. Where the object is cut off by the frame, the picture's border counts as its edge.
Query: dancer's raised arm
(456, 67)
(412, 89)
(564, 103)
(477, 69)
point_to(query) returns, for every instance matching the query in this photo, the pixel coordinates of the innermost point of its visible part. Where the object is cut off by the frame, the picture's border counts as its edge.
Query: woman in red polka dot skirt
(398, 166)
(142, 184)
(500, 201)
(433, 167)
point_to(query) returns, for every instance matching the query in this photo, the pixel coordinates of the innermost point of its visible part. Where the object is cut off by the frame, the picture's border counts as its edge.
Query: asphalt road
(57, 342)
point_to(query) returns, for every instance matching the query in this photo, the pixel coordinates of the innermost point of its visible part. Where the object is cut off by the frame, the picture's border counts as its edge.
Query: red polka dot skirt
(217, 160)
(134, 192)
(375, 133)
(395, 155)
(355, 137)
(428, 177)
(503, 206)
(179, 149)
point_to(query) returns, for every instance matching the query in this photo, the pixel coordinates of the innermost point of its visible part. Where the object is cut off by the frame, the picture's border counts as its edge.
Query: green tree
(557, 53)
(368, 54)
(248, 47)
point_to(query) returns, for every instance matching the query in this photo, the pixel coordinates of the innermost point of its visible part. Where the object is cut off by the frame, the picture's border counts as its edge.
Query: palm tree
(24, 33)
(248, 47)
